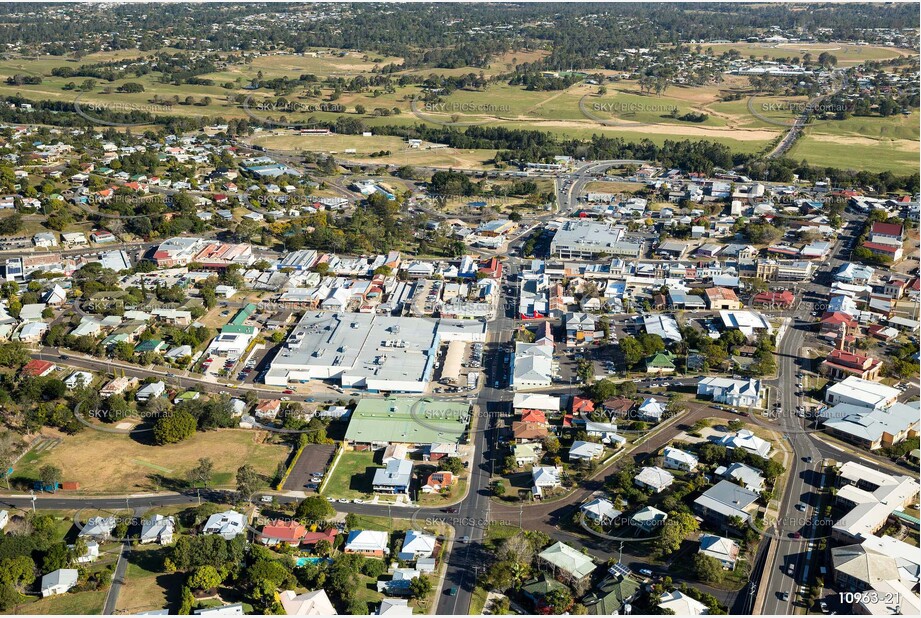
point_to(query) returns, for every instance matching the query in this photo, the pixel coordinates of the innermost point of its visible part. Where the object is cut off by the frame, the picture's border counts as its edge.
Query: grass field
(846, 54)
(117, 463)
(351, 478)
(150, 587)
(74, 604)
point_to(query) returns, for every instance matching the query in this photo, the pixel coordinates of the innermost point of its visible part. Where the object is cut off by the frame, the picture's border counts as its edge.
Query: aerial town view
(460, 308)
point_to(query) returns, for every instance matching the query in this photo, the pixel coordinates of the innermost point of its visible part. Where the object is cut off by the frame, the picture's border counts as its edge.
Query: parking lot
(315, 458)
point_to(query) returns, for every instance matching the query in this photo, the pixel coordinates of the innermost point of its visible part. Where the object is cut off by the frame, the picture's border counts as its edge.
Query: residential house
(747, 441)
(59, 582)
(268, 409)
(282, 532)
(227, 524)
(98, 528)
(676, 459)
(600, 511)
(738, 393)
(372, 543)
(417, 545)
(585, 451)
(681, 604)
(722, 549)
(526, 454)
(314, 603)
(653, 478)
(395, 478)
(725, 501)
(648, 519)
(750, 478)
(651, 410)
(394, 607)
(544, 478)
(157, 529)
(437, 481)
(606, 432)
(567, 564)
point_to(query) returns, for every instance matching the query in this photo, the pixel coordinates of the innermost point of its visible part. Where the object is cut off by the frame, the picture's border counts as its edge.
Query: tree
(202, 472)
(551, 445)
(420, 587)
(248, 481)
(204, 578)
(632, 350)
(708, 569)
(559, 600)
(678, 526)
(314, 509)
(173, 428)
(18, 571)
(454, 465)
(50, 476)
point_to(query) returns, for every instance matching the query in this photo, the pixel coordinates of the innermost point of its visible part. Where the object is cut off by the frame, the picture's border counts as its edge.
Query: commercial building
(376, 352)
(739, 393)
(871, 497)
(873, 428)
(405, 420)
(589, 239)
(861, 393)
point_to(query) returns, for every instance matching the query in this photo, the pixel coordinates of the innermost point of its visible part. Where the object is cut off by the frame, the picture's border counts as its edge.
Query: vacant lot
(150, 588)
(352, 476)
(118, 463)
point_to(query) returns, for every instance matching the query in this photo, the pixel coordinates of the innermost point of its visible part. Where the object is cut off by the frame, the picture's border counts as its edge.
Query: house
(394, 607)
(648, 518)
(613, 595)
(738, 393)
(227, 524)
(314, 603)
(681, 604)
(91, 554)
(723, 549)
(585, 451)
(367, 543)
(4, 519)
(526, 454)
(224, 610)
(524, 432)
(399, 583)
(395, 478)
(653, 478)
(38, 368)
(98, 528)
(651, 410)
(661, 363)
(157, 529)
(676, 459)
(618, 407)
(78, 379)
(567, 564)
(606, 432)
(548, 404)
(437, 481)
(282, 532)
(600, 511)
(780, 300)
(417, 545)
(268, 409)
(312, 538)
(150, 391)
(747, 441)
(545, 477)
(725, 501)
(59, 582)
(750, 478)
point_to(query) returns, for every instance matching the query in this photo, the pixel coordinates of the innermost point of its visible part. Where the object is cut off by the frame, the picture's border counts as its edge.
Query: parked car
(646, 572)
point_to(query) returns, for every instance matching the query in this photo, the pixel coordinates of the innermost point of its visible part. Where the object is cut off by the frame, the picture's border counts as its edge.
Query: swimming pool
(310, 560)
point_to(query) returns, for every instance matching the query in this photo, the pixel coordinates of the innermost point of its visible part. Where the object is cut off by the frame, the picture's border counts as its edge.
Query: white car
(343, 500)
(358, 501)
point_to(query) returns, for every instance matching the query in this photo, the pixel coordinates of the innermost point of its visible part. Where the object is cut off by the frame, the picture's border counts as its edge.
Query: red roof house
(280, 532)
(38, 368)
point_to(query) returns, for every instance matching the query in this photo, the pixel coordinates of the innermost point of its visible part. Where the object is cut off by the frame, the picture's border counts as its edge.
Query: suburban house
(150, 391)
(724, 550)
(312, 538)
(725, 500)
(268, 409)
(526, 454)
(651, 410)
(676, 459)
(606, 432)
(600, 511)
(738, 393)
(681, 604)
(567, 564)
(524, 432)
(227, 524)
(282, 532)
(367, 543)
(157, 529)
(749, 477)
(98, 528)
(417, 545)
(747, 441)
(91, 554)
(437, 481)
(585, 451)
(394, 607)
(545, 477)
(59, 582)
(395, 478)
(653, 478)
(648, 518)
(314, 603)
(618, 406)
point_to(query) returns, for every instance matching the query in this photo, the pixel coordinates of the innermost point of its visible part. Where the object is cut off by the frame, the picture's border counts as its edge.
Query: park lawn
(119, 463)
(385, 524)
(150, 587)
(72, 603)
(351, 477)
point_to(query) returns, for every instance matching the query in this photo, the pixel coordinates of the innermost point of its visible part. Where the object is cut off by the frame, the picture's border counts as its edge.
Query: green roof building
(243, 314)
(150, 345)
(407, 420)
(661, 362)
(610, 596)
